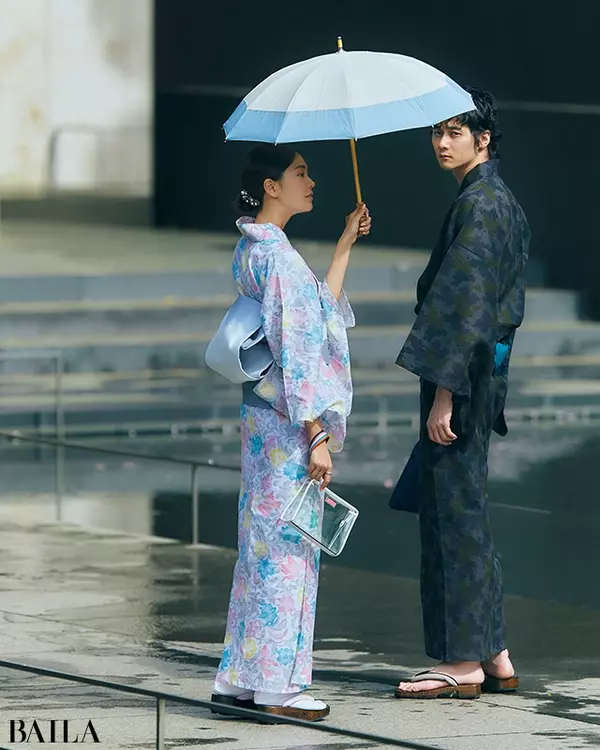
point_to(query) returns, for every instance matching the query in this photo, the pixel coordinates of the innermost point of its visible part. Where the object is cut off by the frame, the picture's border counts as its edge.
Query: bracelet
(322, 437)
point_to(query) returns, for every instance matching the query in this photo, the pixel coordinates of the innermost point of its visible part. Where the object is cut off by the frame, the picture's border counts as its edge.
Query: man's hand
(438, 424)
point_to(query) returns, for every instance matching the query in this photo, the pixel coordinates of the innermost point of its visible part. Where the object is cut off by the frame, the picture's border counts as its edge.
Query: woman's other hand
(320, 465)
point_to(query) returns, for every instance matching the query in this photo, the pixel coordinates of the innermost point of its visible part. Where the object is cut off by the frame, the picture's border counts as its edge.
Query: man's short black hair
(483, 117)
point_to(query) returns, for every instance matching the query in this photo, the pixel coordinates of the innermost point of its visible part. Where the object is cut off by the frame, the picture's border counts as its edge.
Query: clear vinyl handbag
(322, 517)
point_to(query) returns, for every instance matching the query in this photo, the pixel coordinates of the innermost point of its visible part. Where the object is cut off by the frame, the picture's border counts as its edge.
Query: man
(470, 301)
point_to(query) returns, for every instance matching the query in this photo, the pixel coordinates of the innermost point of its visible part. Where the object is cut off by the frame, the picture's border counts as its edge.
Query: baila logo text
(52, 730)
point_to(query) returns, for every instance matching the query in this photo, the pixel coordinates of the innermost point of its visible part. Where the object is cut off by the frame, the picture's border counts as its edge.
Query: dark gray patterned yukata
(470, 297)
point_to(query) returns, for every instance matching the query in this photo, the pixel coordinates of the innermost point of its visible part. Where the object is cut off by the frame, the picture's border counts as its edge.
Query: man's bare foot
(499, 666)
(464, 672)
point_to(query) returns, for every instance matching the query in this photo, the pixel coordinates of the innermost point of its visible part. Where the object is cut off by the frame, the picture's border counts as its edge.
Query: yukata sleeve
(303, 384)
(456, 328)
(338, 311)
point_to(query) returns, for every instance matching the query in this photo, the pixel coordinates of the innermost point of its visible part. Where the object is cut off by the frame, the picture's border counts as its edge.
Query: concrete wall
(76, 96)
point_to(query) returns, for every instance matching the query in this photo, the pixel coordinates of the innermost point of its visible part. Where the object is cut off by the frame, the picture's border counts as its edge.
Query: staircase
(131, 313)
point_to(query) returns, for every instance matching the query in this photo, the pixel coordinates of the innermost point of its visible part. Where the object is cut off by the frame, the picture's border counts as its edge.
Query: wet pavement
(145, 612)
(542, 485)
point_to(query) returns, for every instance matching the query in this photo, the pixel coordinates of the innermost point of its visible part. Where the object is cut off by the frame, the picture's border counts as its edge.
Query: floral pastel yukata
(269, 638)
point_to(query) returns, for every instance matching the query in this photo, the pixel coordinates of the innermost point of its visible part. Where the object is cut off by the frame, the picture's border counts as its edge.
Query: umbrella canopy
(346, 95)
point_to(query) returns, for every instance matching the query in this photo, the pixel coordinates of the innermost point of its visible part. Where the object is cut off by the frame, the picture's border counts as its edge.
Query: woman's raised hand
(358, 224)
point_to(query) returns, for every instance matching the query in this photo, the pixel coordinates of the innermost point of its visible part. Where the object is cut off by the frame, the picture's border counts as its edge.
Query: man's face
(454, 144)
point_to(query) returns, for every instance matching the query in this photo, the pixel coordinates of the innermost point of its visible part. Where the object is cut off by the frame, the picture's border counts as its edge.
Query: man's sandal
(451, 689)
(499, 684)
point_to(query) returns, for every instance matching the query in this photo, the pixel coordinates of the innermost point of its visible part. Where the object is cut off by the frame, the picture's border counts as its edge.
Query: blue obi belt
(501, 353)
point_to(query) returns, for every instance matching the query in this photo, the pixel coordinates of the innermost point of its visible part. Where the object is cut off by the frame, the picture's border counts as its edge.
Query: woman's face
(295, 188)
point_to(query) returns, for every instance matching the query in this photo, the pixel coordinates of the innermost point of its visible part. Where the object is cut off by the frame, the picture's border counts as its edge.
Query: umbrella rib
(415, 101)
(296, 93)
(350, 107)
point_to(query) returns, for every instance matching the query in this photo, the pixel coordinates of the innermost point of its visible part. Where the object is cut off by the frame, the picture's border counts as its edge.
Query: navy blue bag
(406, 495)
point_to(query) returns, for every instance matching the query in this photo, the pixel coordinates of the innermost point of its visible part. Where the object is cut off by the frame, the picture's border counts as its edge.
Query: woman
(290, 421)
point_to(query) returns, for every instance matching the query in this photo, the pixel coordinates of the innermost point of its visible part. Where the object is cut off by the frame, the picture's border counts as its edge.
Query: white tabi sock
(289, 700)
(231, 691)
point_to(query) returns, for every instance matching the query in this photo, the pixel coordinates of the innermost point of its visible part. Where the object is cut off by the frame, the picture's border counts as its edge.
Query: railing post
(59, 478)
(195, 501)
(160, 724)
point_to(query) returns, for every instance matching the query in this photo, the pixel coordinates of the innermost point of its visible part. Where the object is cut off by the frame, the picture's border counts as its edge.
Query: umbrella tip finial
(340, 43)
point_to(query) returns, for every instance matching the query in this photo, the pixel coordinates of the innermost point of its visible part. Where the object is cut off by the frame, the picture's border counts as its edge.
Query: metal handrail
(162, 697)
(56, 356)
(195, 465)
(97, 132)
(53, 141)
(208, 464)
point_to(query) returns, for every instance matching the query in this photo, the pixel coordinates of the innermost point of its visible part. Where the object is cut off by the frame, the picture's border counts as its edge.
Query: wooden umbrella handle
(355, 168)
(340, 45)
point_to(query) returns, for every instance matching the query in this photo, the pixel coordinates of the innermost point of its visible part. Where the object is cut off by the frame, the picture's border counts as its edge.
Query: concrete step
(33, 320)
(394, 276)
(181, 419)
(79, 386)
(133, 286)
(370, 346)
(30, 294)
(376, 346)
(56, 249)
(187, 400)
(62, 262)
(551, 304)
(93, 208)
(138, 316)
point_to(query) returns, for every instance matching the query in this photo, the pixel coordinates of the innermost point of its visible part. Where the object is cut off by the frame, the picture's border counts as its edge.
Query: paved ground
(142, 611)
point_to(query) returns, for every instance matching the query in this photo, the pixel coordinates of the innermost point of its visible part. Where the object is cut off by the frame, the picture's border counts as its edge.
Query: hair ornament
(247, 198)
